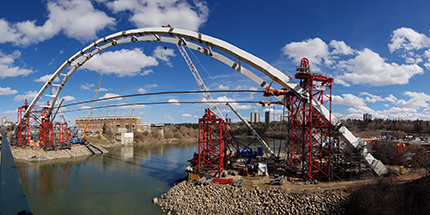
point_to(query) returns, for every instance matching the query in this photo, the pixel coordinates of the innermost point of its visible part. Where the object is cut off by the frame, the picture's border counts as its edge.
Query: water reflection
(124, 181)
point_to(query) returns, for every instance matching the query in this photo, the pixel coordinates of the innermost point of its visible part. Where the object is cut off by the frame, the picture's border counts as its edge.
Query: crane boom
(199, 79)
(91, 111)
(254, 132)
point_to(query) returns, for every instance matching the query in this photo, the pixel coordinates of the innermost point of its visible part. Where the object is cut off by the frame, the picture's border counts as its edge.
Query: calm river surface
(122, 182)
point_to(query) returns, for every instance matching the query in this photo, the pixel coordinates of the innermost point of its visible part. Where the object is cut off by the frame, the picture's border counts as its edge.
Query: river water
(122, 182)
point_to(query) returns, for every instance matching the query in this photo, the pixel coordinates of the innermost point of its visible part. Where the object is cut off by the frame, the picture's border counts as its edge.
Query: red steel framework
(213, 138)
(50, 136)
(309, 136)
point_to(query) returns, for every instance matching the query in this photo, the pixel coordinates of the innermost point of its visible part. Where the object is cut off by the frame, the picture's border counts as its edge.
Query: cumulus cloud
(29, 95)
(408, 39)
(7, 67)
(149, 13)
(187, 115)
(141, 90)
(77, 19)
(68, 98)
(340, 48)
(5, 91)
(315, 50)
(222, 87)
(87, 86)
(122, 62)
(368, 67)
(46, 78)
(163, 54)
(110, 95)
(174, 102)
(348, 100)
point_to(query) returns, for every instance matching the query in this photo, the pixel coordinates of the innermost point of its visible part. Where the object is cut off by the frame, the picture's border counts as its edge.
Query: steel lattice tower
(310, 134)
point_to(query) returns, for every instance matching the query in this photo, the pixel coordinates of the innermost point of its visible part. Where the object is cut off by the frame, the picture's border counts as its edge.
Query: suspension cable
(159, 103)
(167, 92)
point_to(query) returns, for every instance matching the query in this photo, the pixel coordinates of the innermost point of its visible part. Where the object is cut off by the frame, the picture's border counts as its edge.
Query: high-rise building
(267, 117)
(367, 116)
(255, 117)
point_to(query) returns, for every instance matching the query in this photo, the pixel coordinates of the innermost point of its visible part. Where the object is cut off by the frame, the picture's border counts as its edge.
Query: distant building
(255, 117)
(267, 117)
(4, 120)
(129, 123)
(228, 120)
(367, 116)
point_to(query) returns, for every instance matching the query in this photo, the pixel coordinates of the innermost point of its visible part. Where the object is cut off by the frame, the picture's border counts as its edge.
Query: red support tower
(23, 128)
(309, 136)
(212, 142)
(62, 134)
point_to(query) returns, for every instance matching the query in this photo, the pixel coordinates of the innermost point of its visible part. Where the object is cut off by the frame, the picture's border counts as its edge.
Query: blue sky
(378, 52)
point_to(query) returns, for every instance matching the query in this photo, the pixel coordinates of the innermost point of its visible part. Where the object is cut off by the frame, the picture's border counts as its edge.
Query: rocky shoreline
(37, 154)
(188, 198)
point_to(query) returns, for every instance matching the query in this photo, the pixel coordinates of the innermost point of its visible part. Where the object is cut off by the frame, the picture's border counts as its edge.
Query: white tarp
(262, 168)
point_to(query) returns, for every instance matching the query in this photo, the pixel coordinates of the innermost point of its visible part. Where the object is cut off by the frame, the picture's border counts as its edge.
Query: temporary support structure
(212, 142)
(310, 134)
(49, 137)
(62, 135)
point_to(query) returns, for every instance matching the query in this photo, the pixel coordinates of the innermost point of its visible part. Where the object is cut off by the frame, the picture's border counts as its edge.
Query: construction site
(314, 171)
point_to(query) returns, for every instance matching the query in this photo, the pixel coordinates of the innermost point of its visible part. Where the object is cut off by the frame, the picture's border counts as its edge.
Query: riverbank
(37, 154)
(188, 198)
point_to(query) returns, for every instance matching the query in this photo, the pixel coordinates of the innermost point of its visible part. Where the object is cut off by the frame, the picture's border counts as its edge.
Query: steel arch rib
(159, 34)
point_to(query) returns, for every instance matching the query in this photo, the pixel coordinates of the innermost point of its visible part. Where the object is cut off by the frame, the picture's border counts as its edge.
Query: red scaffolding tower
(309, 136)
(49, 136)
(213, 138)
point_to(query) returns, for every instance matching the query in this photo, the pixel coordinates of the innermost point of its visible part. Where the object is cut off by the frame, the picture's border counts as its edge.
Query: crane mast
(199, 79)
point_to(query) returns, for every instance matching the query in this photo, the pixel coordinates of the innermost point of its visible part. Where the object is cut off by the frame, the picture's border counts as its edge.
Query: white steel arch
(203, 44)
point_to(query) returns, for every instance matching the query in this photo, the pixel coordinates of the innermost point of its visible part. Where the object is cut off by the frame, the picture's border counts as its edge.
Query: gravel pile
(187, 198)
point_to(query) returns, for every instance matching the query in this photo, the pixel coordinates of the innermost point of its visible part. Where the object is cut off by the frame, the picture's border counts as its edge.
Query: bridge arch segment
(202, 43)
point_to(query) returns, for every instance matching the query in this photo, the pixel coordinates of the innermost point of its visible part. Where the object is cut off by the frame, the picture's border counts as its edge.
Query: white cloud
(68, 98)
(46, 78)
(222, 87)
(141, 90)
(348, 100)
(163, 53)
(224, 99)
(29, 95)
(368, 67)
(168, 117)
(8, 33)
(7, 69)
(340, 48)
(372, 98)
(151, 86)
(408, 39)
(132, 107)
(110, 95)
(87, 86)
(122, 63)
(101, 89)
(9, 112)
(187, 115)
(5, 91)
(149, 13)
(77, 19)
(315, 50)
(174, 102)
(146, 72)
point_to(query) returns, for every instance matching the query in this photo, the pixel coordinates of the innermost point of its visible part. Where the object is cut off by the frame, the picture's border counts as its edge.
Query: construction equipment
(84, 140)
(254, 132)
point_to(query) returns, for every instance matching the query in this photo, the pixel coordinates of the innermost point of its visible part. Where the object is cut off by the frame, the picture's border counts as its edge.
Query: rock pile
(37, 154)
(187, 198)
